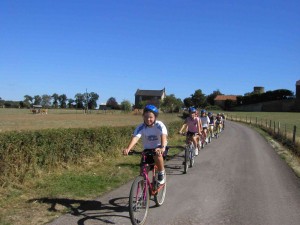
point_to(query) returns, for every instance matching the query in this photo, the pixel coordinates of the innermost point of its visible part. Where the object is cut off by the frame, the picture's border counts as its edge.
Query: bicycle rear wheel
(159, 198)
(138, 201)
(186, 159)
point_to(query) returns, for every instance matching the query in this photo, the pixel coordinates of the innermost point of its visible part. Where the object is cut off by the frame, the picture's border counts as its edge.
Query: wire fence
(285, 133)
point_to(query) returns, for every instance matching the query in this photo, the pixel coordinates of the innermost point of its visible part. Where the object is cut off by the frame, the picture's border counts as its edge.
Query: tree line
(170, 104)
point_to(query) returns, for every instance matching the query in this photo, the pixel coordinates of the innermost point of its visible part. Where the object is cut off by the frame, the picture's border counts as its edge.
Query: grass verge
(52, 194)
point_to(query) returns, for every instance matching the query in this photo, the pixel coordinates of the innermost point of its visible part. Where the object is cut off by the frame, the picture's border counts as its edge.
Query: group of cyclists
(154, 133)
(200, 129)
(154, 138)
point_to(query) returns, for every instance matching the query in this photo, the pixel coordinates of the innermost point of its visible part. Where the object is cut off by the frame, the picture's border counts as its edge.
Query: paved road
(237, 179)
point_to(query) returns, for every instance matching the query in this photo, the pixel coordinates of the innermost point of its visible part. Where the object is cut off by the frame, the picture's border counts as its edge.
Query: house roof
(149, 92)
(225, 97)
(37, 106)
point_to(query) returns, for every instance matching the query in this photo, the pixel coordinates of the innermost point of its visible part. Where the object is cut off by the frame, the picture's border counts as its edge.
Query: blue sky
(114, 47)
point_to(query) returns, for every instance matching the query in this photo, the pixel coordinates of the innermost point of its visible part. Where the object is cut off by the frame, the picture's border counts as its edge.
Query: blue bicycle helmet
(203, 111)
(209, 114)
(192, 110)
(151, 108)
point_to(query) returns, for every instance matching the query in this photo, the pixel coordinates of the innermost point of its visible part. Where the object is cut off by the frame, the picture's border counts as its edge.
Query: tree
(92, 100)
(126, 105)
(37, 100)
(199, 99)
(188, 102)
(27, 101)
(55, 100)
(71, 103)
(79, 100)
(112, 103)
(46, 101)
(62, 99)
(171, 104)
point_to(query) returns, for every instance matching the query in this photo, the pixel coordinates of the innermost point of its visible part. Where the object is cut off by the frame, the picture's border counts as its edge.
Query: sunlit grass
(20, 119)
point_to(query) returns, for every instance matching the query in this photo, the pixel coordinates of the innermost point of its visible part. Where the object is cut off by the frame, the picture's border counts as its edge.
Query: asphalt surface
(236, 179)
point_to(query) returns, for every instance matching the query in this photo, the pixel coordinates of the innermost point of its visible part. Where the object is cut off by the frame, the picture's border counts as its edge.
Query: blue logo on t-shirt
(152, 138)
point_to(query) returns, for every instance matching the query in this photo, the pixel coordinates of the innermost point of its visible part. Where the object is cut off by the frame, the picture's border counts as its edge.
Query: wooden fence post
(285, 131)
(294, 134)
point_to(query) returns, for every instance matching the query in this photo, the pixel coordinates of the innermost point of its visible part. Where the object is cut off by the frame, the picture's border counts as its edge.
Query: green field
(286, 120)
(23, 119)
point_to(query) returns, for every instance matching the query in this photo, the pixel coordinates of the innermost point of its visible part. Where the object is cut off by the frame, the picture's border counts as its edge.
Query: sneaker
(161, 177)
(196, 151)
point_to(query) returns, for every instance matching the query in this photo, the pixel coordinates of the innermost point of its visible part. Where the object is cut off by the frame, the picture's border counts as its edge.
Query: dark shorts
(191, 134)
(149, 158)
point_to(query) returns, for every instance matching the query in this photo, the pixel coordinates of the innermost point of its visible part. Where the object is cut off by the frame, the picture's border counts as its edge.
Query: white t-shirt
(151, 136)
(205, 121)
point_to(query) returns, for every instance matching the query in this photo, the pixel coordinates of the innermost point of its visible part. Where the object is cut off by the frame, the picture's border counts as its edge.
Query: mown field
(23, 119)
(286, 120)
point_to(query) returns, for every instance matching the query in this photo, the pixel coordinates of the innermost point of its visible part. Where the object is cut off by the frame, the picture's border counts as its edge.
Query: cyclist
(211, 124)
(223, 119)
(154, 137)
(205, 121)
(194, 127)
(219, 122)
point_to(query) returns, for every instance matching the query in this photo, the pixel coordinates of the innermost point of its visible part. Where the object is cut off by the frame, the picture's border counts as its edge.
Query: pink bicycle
(143, 187)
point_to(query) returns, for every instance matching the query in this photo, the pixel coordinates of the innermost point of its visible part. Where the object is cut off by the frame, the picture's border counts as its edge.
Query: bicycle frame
(142, 188)
(145, 169)
(189, 153)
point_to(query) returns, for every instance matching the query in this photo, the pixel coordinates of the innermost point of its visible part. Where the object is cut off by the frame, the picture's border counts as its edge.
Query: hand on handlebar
(126, 151)
(159, 151)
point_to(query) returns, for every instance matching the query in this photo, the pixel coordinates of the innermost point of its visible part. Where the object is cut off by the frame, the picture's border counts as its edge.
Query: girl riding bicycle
(154, 136)
(211, 126)
(194, 128)
(205, 121)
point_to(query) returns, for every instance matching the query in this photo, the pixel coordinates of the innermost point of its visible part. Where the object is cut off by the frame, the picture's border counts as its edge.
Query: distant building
(258, 90)
(149, 96)
(221, 99)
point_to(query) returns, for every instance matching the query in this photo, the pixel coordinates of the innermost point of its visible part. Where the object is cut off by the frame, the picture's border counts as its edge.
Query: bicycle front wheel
(159, 198)
(138, 201)
(192, 156)
(186, 160)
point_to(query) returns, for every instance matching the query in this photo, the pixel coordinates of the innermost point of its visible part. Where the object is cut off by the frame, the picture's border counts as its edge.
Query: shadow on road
(89, 209)
(109, 212)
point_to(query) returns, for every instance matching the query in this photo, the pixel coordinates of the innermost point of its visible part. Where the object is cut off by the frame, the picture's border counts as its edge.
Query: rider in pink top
(193, 126)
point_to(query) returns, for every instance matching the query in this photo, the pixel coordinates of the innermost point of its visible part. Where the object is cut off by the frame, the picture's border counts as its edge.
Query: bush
(25, 153)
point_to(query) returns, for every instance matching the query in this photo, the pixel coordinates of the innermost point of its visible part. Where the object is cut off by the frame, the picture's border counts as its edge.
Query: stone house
(149, 96)
(221, 99)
